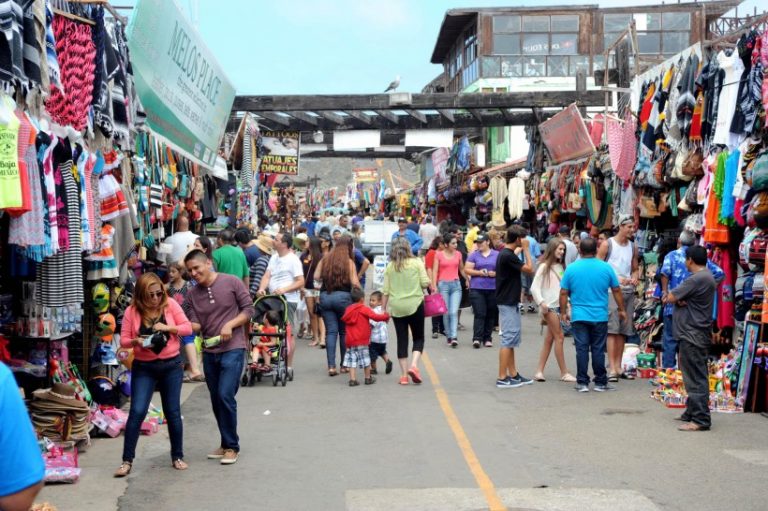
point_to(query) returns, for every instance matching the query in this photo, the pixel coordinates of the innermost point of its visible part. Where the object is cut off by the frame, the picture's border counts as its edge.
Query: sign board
(440, 162)
(368, 175)
(379, 265)
(566, 137)
(185, 93)
(281, 152)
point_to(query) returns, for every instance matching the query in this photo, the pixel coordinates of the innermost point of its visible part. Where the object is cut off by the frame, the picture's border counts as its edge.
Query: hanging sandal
(180, 464)
(124, 470)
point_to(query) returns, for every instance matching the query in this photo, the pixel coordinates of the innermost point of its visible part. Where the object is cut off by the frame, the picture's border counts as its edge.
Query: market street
(324, 445)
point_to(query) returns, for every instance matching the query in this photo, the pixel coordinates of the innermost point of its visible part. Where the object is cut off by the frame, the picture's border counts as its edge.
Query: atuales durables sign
(184, 91)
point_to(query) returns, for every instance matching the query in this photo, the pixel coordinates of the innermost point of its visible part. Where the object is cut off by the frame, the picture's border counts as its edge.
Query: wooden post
(581, 87)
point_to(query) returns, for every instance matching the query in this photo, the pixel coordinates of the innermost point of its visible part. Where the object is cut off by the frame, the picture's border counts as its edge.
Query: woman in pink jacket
(152, 326)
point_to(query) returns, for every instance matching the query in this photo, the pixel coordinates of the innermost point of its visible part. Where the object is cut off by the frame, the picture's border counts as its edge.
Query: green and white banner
(184, 91)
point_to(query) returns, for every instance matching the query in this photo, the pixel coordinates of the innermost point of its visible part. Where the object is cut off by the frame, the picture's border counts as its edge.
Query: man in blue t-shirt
(21, 464)
(585, 282)
(411, 236)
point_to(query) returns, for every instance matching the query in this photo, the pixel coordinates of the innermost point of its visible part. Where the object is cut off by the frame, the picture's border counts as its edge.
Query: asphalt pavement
(456, 442)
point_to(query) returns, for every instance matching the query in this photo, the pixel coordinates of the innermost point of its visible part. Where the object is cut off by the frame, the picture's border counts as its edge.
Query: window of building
(649, 42)
(530, 35)
(565, 23)
(490, 66)
(616, 22)
(557, 66)
(674, 42)
(579, 63)
(505, 44)
(535, 23)
(564, 44)
(512, 67)
(534, 66)
(676, 20)
(506, 24)
(535, 44)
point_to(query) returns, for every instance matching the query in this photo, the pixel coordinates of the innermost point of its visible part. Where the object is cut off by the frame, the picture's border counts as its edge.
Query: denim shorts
(509, 326)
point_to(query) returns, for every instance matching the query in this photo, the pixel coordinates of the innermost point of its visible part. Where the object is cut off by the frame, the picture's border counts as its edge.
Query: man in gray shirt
(694, 299)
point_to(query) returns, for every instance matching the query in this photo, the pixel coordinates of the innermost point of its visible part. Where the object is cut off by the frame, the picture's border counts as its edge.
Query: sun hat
(60, 395)
(264, 242)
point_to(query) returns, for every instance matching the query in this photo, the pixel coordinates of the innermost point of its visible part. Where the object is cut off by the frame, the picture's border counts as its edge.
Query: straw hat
(60, 396)
(264, 242)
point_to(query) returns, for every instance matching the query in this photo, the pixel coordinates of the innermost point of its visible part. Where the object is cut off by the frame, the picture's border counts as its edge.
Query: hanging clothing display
(732, 67)
(499, 192)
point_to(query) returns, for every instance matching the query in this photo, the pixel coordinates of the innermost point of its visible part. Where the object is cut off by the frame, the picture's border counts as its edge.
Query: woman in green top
(404, 282)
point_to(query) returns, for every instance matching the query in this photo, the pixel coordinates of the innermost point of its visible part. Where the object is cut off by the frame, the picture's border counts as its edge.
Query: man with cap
(571, 252)
(403, 231)
(673, 272)
(621, 253)
(21, 465)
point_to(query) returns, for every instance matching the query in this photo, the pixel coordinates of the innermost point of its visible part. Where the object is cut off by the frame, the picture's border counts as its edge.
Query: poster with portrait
(280, 152)
(751, 338)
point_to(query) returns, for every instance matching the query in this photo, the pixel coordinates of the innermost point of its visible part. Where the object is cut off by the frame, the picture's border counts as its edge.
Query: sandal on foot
(332, 371)
(344, 370)
(539, 377)
(568, 377)
(354, 383)
(313, 344)
(124, 470)
(180, 464)
(370, 381)
(626, 376)
(692, 426)
(321, 346)
(613, 377)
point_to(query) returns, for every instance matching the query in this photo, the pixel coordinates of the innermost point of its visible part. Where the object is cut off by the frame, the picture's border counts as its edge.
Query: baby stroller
(279, 370)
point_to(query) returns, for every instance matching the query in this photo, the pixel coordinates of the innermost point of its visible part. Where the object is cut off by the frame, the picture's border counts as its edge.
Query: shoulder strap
(610, 247)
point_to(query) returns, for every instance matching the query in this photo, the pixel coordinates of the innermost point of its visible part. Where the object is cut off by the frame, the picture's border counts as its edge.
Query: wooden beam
(360, 116)
(333, 117)
(379, 102)
(477, 114)
(390, 116)
(417, 115)
(303, 116)
(448, 114)
(391, 121)
(280, 119)
(506, 114)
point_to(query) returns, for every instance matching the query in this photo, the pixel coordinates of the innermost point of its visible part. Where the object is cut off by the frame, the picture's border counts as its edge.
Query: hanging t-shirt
(11, 195)
(729, 96)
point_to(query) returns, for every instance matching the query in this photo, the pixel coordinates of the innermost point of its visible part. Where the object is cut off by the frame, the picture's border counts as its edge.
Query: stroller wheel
(258, 376)
(284, 379)
(274, 378)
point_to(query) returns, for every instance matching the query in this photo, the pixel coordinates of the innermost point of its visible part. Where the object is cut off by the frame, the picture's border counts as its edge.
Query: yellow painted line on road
(483, 481)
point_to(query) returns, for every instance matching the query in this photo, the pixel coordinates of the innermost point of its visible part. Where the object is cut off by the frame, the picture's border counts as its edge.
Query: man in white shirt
(284, 276)
(427, 232)
(182, 240)
(571, 252)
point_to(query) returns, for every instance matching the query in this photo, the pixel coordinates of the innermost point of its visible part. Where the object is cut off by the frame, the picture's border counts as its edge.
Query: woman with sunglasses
(157, 362)
(446, 269)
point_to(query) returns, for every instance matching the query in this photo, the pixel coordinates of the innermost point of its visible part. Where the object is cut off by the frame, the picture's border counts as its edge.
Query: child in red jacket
(358, 337)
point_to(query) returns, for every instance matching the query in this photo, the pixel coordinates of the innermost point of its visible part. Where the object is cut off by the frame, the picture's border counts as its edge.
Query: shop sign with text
(184, 91)
(280, 151)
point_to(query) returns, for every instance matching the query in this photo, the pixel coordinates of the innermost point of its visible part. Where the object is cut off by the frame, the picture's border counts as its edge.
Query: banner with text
(184, 91)
(281, 152)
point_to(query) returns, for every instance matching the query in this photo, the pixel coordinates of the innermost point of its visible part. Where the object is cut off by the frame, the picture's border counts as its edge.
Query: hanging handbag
(692, 166)
(434, 305)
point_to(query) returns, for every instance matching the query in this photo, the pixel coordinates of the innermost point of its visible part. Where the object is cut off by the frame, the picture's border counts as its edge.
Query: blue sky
(335, 46)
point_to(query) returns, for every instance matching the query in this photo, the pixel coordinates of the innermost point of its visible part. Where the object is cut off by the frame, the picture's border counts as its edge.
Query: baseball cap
(402, 220)
(482, 237)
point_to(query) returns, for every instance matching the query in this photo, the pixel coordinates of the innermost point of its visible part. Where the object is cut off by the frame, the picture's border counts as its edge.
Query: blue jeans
(222, 375)
(669, 345)
(332, 307)
(167, 375)
(451, 293)
(590, 337)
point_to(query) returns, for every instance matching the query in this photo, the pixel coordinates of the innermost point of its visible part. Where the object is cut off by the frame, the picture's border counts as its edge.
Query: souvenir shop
(691, 152)
(87, 194)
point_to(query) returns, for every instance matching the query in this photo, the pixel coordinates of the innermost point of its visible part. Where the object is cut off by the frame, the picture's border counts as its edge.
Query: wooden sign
(566, 137)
